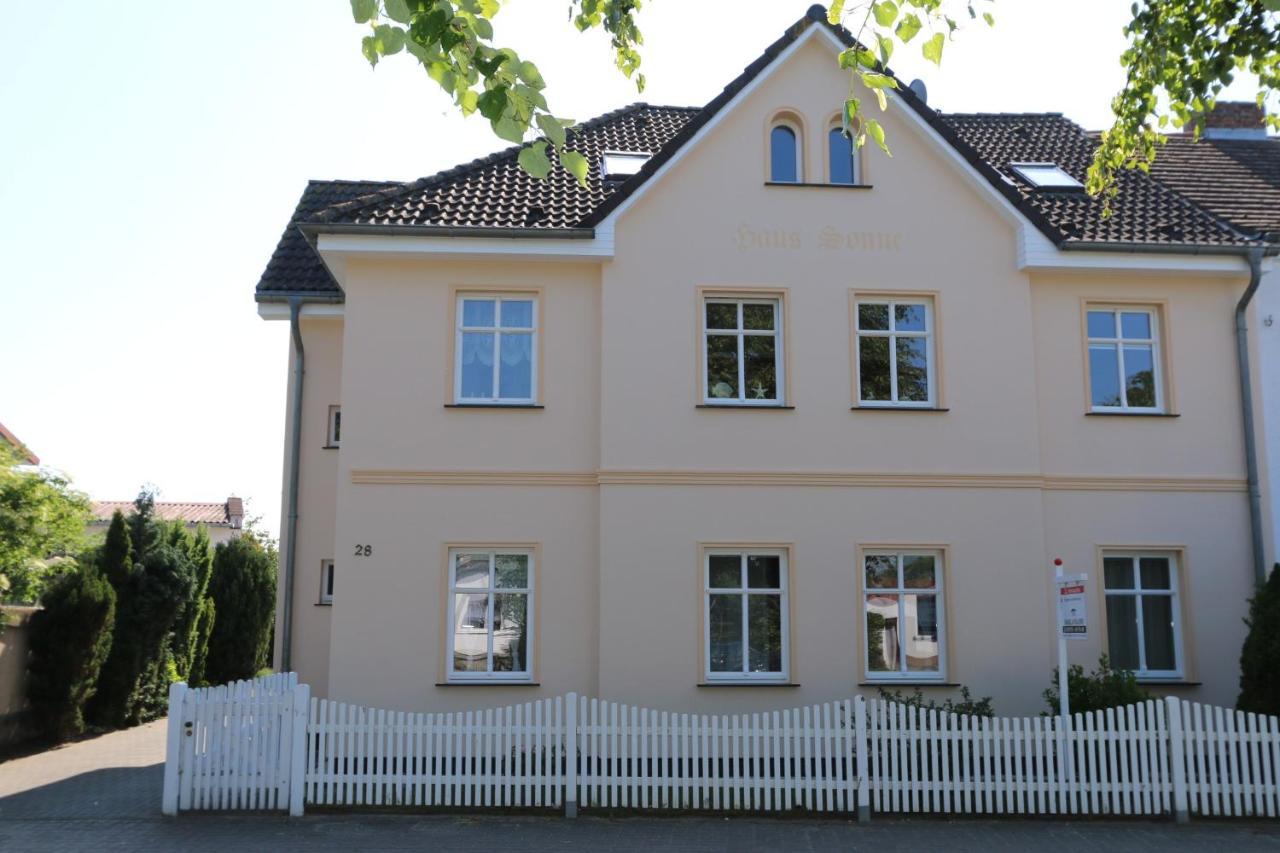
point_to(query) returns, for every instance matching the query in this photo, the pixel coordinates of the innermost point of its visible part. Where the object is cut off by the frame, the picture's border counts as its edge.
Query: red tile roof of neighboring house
(493, 196)
(22, 449)
(227, 514)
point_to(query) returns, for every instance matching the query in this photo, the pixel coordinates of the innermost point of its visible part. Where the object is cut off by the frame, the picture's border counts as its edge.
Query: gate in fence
(265, 744)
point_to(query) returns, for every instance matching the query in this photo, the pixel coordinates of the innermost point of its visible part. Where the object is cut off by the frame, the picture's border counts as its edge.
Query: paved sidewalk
(104, 795)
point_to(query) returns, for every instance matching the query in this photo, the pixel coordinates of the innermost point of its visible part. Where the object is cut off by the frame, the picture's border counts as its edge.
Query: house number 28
(364, 550)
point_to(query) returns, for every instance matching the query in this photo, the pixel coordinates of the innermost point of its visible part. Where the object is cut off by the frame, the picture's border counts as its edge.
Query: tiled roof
(24, 453)
(493, 194)
(294, 266)
(211, 514)
(1145, 212)
(1237, 179)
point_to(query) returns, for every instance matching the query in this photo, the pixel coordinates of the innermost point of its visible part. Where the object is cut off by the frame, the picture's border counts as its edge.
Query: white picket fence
(264, 744)
(236, 746)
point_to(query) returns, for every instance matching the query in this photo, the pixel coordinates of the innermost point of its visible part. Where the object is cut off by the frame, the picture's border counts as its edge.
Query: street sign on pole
(1073, 611)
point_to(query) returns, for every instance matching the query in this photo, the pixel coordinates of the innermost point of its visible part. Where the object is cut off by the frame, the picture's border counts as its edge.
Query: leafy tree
(70, 639)
(965, 705)
(1181, 55)
(40, 516)
(243, 589)
(454, 42)
(1260, 657)
(1103, 688)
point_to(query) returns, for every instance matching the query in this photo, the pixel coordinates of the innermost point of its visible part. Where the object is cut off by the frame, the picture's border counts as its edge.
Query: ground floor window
(491, 614)
(1144, 631)
(326, 581)
(746, 615)
(902, 609)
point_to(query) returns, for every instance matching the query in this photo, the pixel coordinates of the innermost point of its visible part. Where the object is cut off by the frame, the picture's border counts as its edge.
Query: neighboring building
(23, 451)
(1233, 171)
(755, 411)
(224, 520)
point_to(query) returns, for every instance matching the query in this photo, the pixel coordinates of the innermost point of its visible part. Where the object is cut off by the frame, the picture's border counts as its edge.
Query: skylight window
(1049, 176)
(622, 164)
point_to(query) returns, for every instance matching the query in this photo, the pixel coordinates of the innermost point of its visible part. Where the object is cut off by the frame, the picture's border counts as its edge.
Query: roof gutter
(311, 230)
(291, 511)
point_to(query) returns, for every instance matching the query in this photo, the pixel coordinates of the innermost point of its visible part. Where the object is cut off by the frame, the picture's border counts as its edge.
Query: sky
(151, 156)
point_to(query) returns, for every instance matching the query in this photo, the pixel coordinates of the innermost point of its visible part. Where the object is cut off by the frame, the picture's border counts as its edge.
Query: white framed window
(1048, 176)
(1124, 359)
(491, 611)
(895, 352)
(1144, 624)
(326, 581)
(902, 615)
(745, 604)
(496, 351)
(742, 351)
(785, 162)
(333, 436)
(842, 158)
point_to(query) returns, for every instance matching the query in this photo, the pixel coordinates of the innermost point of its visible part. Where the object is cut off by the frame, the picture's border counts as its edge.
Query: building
(756, 420)
(224, 521)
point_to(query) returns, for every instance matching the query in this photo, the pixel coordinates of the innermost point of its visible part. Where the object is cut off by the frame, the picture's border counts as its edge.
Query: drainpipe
(295, 449)
(1246, 410)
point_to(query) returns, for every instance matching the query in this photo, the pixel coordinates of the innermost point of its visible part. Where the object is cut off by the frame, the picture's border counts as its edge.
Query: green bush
(200, 648)
(70, 639)
(243, 589)
(965, 705)
(1260, 657)
(153, 580)
(186, 626)
(1103, 688)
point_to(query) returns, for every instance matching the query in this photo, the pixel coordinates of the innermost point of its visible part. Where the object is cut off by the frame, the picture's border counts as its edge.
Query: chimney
(1235, 120)
(235, 512)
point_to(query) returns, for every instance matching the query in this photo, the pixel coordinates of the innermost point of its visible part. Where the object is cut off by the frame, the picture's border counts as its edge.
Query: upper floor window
(842, 157)
(746, 615)
(334, 434)
(784, 153)
(895, 352)
(1143, 619)
(496, 350)
(326, 581)
(491, 614)
(902, 614)
(1124, 359)
(742, 351)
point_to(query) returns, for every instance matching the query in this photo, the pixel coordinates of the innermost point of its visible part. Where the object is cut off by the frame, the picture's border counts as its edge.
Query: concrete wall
(13, 674)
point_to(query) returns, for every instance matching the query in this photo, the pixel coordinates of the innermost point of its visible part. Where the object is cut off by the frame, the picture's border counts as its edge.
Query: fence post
(173, 748)
(298, 748)
(862, 757)
(571, 756)
(1181, 814)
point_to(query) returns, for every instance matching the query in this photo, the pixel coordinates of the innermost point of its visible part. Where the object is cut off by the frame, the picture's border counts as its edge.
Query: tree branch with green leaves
(1182, 54)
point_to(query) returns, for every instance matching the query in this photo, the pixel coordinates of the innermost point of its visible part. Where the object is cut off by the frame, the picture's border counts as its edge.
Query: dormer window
(620, 165)
(784, 154)
(1046, 176)
(842, 158)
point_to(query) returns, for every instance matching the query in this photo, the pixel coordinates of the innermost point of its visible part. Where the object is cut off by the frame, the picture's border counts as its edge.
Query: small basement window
(618, 165)
(1048, 176)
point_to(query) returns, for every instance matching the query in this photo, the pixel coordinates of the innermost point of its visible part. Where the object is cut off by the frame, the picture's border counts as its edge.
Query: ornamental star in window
(760, 392)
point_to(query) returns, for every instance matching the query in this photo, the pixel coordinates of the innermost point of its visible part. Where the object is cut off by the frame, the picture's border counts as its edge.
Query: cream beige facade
(621, 477)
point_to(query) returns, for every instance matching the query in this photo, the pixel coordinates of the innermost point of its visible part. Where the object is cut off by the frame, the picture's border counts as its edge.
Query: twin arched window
(786, 160)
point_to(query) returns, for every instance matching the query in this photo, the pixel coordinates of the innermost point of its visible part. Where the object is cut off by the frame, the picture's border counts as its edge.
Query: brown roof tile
(211, 514)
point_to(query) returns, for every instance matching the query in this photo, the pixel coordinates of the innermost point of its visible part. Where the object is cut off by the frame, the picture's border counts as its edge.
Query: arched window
(842, 157)
(784, 154)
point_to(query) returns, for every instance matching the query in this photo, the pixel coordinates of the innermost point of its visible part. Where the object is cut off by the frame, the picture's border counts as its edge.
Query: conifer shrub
(1260, 656)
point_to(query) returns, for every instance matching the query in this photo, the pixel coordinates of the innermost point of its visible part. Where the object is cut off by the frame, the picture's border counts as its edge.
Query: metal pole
(1064, 700)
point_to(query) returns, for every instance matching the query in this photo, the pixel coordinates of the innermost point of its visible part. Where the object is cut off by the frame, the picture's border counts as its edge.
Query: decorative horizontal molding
(1044, 482)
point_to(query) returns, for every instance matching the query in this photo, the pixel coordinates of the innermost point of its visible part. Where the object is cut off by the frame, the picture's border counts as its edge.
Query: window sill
(761, 683)
(482, 683)
(817, 185)
(494, 406)
(762, 407)
(324, 604)
(1170, 682)
(897, 409)
(1132, 415)
(909, 682)
(329, 446)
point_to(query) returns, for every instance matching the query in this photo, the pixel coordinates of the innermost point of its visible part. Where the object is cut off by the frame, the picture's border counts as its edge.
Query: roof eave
(313, 229)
